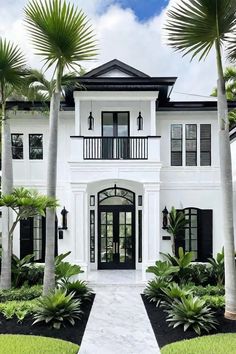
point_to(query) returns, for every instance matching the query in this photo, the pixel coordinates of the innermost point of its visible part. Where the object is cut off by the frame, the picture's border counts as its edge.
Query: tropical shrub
(163, 270)
(21, 294)
(191, 313)
(215, 302)
(218, 267)
(200, 274)
(208, 290)
(176, 225)
(64, 271)
(154, 292)
(80, 290)
(19, 267)
(173, 292)
(57, 308)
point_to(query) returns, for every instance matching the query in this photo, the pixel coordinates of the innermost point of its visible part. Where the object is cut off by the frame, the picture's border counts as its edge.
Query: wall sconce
(140, 121)
(165, 219)
(90, 121)
(64, 213)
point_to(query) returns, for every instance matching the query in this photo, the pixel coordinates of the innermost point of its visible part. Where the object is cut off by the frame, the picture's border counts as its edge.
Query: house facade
(126, 155)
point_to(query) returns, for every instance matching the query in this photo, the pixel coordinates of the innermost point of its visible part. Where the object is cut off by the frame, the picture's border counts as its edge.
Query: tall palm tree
(62, 35)
(195, 27)
(12, 71)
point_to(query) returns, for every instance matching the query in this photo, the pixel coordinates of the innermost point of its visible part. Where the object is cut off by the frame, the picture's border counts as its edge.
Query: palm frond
(60, 32)
(194, 26)
(12, 64)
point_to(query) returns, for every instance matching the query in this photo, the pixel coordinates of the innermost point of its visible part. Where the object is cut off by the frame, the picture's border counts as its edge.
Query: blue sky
(144, 9)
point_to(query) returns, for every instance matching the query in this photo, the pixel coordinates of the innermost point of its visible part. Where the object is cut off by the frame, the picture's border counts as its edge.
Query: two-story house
(127, 154)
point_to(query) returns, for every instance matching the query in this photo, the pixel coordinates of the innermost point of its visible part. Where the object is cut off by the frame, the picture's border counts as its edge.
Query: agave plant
(191, 313)
(57, 308)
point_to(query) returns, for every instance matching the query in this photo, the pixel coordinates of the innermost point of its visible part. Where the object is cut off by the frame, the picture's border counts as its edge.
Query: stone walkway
(118, 323)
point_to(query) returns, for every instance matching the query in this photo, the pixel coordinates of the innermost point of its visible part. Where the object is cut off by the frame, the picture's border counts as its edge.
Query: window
(92, 236)
(205, 145)
(191, 232)
(176, 144)
(17, 146)
(140, 242)
(191, 144)
(36, 146)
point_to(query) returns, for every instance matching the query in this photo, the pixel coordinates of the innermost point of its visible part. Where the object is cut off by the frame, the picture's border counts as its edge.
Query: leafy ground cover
(166, 335)
(217, 344)
(19, 344)
(69, 333)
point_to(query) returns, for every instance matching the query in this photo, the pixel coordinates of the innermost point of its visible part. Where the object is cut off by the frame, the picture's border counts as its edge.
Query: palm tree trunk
(49, 272)
(7, 185)
(227, 193)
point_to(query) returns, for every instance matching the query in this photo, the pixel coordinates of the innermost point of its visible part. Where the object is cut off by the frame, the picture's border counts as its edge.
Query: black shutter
(205, 235)
(26, 237)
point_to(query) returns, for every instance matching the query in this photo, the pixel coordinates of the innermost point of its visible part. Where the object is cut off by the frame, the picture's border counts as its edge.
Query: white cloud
(122, 36)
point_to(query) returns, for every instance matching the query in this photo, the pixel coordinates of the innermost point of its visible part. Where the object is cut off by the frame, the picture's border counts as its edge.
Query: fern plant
(191, 313)
(57, 308)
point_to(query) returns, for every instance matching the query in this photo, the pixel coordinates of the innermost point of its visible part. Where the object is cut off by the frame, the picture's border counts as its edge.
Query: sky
(128, 30)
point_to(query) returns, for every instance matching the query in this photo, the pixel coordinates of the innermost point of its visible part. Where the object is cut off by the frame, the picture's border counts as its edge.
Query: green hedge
(217, 344)
(19, 344)
(21, 294)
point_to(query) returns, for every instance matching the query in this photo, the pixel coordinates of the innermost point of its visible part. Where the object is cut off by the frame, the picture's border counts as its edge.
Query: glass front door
(115, 133)
(116, 237)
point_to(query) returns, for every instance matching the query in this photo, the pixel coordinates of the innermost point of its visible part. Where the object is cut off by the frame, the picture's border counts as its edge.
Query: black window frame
(202, 150)
(92, 235)
(38, 148)
(176, 139)
(17, 147)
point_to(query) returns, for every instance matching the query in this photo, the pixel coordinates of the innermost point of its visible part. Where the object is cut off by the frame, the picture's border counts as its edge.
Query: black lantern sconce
(90, 121)
(64, 213)
(140, 121)
(165, 219)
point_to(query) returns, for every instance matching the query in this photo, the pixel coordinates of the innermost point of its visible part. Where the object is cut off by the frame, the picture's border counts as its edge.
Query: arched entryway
(116, 229)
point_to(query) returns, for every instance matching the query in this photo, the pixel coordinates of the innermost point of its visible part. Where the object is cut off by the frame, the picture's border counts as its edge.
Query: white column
(151, 227)
(80, 217)
(77, 117)
(153, 118)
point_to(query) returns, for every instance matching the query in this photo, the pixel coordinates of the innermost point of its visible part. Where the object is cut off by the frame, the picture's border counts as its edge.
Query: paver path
(118, 322)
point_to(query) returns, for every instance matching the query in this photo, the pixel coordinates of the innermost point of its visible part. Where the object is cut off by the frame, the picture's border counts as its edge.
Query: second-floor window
(17, 146)
(36, 146)
(185, 141)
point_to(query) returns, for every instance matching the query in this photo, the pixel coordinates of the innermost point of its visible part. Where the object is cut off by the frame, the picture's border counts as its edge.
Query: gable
(115, 68)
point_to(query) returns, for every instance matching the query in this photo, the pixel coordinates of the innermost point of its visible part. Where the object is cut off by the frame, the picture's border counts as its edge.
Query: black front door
(116, 237)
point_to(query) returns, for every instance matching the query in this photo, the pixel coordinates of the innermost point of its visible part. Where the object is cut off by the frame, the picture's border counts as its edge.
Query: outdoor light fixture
(90, 121)
(64, 213)
(140, 121)
(165, 219)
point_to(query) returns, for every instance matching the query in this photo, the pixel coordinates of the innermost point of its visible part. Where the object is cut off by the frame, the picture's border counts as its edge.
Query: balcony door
(115, 133)
(116, 229)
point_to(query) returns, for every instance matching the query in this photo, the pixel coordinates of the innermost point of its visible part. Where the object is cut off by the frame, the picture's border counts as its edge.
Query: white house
(125, 153)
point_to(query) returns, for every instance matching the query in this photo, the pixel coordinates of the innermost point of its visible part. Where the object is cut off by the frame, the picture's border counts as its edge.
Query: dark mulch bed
(69, 333)
(166, 335)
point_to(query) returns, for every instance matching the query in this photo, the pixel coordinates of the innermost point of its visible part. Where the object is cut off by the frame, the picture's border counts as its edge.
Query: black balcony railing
(115, 148)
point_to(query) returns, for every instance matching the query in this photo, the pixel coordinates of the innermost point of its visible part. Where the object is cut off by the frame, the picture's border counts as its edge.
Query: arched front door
(116, 229)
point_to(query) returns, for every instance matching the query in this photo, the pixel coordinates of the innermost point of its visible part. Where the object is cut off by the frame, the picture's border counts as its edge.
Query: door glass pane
(128, 231)
(103, 250)
(107, 124)
(109, 230)
(122, 250)
(103, 218)
(128, 248)
(122, 218)
(122, 230)
(128, 218)
(109, 218)
(106, 230)
(122, 124)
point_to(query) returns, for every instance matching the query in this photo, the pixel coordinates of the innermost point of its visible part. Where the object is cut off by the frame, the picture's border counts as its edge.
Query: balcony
(115, 148)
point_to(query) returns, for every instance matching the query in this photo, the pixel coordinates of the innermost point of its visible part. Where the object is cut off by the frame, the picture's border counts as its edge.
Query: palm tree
(12, 71)
(230, 90)
(195, 27)
(62, 35)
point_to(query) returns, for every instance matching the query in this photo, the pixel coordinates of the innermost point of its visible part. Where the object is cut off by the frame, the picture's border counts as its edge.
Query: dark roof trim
(100, 81)
(192, 106)
(112, 65)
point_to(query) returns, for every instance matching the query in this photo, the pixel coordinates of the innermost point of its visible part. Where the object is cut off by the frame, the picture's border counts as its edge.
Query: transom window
(36, 146)
(116, 196)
